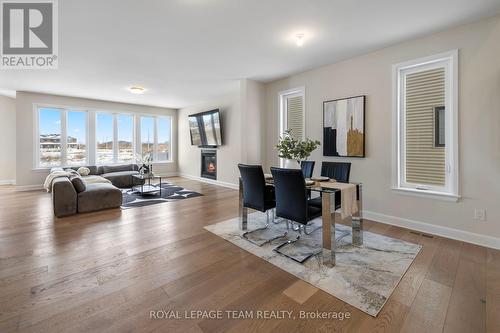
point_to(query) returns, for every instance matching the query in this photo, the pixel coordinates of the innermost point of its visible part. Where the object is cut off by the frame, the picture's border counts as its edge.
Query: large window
(105, 138)
(156, 137)
(426, 129)
(66, 137)
(76, 142)
(125, 138)
(49, 137)
(147, 135)
(164, 127)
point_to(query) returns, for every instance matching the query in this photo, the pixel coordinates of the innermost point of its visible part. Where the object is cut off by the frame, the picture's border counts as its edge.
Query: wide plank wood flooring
(105, 272)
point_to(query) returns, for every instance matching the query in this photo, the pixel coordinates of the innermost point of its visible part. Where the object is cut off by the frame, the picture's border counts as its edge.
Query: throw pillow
(78, 183)
(83, 171)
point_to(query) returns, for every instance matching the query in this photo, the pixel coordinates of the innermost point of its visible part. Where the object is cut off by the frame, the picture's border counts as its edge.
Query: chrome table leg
(328, 217)
(357, 220)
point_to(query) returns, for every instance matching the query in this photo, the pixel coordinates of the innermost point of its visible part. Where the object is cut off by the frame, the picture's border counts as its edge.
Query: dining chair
(307, 168)
(256, 194)
(292, 203)
(340, 171)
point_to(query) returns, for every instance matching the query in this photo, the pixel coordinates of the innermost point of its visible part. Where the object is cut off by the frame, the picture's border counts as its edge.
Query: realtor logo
(29, 34)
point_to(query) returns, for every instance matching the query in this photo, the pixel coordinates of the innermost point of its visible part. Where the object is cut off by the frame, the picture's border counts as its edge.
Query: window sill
(427, 194)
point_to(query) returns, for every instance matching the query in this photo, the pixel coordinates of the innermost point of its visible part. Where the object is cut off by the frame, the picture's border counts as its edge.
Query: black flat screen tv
(205, 129)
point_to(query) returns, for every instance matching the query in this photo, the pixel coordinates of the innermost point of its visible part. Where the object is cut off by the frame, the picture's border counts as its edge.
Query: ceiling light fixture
(137, 90)
(299, 39)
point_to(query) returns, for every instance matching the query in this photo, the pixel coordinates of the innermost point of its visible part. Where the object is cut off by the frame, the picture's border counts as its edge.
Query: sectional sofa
(71, 196)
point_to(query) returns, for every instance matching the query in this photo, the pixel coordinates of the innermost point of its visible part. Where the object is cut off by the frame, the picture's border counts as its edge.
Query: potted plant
(145, 163)
(295, 150)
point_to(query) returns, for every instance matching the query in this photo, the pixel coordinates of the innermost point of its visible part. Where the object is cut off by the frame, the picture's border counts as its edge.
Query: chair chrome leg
(310, 232)
(268, 218)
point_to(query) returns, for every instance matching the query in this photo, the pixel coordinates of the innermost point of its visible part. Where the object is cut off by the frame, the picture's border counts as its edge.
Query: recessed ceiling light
(137, 90)
(299, 39)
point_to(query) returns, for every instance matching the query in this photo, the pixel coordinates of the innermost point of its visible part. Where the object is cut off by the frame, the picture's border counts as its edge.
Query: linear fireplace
(209, 164)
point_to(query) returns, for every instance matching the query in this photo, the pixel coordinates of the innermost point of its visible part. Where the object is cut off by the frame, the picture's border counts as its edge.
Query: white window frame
(91, 140)
(64, 131)
(155, 136)
(448, 61)
(283, 97)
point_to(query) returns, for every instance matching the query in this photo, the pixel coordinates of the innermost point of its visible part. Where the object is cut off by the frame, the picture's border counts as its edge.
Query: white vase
(291, 164)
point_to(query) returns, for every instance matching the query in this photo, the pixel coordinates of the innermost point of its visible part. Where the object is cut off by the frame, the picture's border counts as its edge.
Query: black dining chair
(292, 203)
(256, 194)
(307, 168)
(340, 171)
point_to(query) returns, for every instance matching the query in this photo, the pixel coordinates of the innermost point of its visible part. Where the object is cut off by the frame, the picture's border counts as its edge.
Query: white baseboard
(465, 236)
(7, 182)
(210, 181)
(23, 188)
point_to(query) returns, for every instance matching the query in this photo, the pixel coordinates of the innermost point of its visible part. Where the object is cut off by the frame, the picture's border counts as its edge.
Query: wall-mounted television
(205, 129)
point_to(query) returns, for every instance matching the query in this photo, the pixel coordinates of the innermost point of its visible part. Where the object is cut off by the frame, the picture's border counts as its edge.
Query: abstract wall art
(344, 127)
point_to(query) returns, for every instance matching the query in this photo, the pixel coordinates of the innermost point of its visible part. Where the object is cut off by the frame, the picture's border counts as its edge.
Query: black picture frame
(330, 134)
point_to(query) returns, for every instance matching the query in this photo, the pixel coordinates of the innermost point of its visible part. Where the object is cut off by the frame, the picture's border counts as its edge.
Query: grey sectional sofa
(69, 198)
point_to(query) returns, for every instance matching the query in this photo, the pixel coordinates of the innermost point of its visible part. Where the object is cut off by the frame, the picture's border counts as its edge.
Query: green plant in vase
(292, 149)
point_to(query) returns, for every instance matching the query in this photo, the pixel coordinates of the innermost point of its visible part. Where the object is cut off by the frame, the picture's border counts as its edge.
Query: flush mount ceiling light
(137, 90)
(299, 39)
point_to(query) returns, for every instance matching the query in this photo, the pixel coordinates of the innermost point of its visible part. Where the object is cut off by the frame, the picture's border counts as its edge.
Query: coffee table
(147, 188)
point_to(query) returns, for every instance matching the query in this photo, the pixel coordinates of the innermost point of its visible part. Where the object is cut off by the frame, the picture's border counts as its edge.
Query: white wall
(7, 136)
(242, 131)
(228, 155)
(252, 100)
(26, 176)
(479, 127)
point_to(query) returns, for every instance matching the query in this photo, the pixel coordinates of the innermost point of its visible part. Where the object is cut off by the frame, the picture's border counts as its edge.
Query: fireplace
(209, 164)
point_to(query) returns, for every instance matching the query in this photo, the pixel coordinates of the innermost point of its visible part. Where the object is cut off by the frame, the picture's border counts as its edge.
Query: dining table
(327, 190)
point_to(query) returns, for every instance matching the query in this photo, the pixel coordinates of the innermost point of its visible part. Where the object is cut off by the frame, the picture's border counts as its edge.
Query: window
(426, 129)
(147, 135)
(164, 138)
(73, 137)
(105, 138)
(156, 137)
(292, 113)
(125, 138)
(62, 137)
(49, 134)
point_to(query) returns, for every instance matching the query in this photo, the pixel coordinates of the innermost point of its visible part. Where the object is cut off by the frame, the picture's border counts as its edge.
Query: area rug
(169, 192)
(364, 277)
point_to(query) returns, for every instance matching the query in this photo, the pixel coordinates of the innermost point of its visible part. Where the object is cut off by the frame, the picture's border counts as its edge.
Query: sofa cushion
(117, 168)
(122, 179)
(78, 183)
(99, 196)
(92, 168)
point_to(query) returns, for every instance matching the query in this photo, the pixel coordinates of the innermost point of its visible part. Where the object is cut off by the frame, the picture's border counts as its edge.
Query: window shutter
(295, 116)
(425, 163)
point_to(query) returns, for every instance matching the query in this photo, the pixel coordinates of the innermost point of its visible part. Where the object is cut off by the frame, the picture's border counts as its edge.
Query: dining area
(298, 205)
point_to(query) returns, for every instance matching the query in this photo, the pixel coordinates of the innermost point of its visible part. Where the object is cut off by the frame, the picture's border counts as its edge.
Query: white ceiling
(188, 51)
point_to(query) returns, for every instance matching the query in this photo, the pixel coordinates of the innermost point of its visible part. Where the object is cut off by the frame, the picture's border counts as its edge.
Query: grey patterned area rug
(364, 277)
(169, 192)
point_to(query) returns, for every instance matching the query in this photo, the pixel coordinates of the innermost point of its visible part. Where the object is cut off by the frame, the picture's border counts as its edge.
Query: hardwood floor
(105, 272)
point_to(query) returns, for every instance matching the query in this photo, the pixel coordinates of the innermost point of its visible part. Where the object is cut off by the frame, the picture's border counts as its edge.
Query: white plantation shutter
(425, 163)
(295, 115)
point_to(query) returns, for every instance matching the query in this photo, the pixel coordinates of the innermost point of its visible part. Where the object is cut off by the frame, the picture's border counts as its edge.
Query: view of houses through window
(65, 136)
